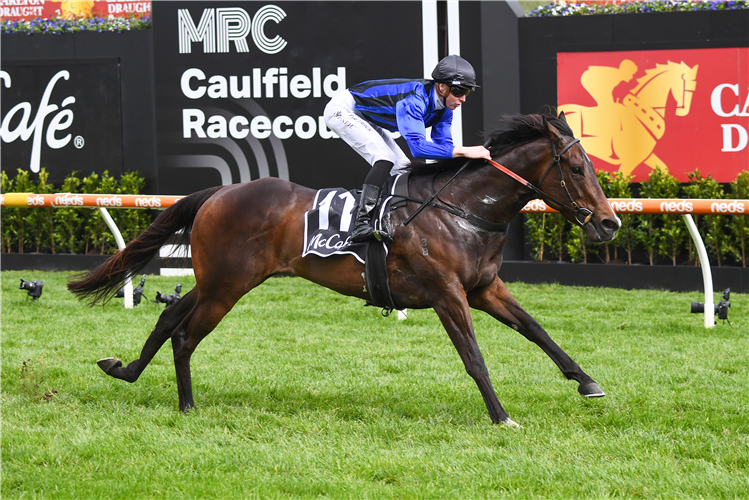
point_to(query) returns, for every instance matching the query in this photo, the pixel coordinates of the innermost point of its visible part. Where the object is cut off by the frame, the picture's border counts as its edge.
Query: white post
(707, 276)
(429, 29)
(121, 245)
(453, 47)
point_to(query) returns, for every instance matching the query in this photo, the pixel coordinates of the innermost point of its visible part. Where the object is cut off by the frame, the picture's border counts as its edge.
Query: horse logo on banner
(626, 132)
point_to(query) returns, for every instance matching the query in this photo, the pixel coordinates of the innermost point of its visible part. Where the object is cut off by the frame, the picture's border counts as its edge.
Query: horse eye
(577, 170)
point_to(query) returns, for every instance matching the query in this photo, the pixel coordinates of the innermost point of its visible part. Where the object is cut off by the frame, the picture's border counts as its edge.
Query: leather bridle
(582, 215)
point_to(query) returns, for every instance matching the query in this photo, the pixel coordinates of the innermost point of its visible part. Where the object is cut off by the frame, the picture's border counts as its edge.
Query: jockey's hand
(475, 152)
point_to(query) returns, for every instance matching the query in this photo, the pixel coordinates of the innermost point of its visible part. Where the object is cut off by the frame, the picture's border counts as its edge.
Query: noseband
(582, 215)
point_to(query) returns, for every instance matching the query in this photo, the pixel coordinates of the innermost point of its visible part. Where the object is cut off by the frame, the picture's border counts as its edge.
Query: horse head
(689, 83)
(570, 184)
(676, 79)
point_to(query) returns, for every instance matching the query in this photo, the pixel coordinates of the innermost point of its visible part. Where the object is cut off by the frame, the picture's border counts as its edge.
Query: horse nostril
(610, 225)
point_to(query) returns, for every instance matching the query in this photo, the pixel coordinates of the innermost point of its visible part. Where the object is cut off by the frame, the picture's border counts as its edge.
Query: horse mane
(517, 129)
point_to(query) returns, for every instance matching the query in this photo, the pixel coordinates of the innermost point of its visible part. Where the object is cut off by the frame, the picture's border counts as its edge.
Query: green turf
(303, 393)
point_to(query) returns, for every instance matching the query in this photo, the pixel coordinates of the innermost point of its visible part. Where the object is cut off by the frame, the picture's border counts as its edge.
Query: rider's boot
(363, 229)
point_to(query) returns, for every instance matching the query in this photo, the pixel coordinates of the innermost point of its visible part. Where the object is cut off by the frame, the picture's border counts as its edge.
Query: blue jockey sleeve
(410, 115)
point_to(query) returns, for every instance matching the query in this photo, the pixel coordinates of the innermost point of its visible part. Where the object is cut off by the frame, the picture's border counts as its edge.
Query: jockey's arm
(475, 152)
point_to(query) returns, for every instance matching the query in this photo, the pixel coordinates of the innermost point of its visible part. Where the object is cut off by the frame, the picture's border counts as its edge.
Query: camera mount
(34, 288)
(721, 308)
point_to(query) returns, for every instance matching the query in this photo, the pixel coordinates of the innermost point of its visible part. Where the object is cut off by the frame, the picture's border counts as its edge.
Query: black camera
(721, 308)
(170, 299)
(34, 288)
(137, 291)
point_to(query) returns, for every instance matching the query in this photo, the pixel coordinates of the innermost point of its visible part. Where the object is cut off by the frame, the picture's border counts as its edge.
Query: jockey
(365, 114)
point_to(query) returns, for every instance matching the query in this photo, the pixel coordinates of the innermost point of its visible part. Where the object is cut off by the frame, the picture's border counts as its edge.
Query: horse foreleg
(168, 321)
(456, 318)
(497, 301)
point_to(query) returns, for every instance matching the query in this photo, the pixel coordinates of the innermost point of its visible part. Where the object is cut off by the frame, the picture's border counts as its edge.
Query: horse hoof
(591, 390)
(510, 423)
(108, 364)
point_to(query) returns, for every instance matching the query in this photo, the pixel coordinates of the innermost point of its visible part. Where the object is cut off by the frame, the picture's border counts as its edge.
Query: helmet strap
(443, 90)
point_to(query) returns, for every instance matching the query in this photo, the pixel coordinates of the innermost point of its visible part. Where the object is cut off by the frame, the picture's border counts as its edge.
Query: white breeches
(372, 142)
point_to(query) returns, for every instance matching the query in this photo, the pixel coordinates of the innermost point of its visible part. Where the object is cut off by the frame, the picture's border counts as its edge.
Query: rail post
(121, 245)
(707, 275)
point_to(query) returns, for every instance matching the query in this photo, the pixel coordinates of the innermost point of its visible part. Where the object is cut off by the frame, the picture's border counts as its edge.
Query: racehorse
(626, 134)
(244, 233)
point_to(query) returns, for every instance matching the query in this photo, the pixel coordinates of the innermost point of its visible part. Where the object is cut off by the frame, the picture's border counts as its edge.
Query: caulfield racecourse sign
(241, 86)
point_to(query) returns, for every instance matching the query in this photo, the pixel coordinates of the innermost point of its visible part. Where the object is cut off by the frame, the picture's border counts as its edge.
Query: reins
(579, 212)
(431, 198)
(577, 209)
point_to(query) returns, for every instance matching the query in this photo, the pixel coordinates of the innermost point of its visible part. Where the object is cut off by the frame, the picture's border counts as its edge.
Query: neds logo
(218, 27)
(536, 205)
(69, 200)
(628, 206)
(35, 201)
(677, 206)
(724, 207)
(148, 202)
(109, 201)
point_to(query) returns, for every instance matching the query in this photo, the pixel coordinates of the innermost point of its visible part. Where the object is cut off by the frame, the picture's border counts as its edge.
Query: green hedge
(69, 230)
(650, 239)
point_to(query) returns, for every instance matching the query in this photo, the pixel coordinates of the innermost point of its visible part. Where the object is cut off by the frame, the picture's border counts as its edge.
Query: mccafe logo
(20, 122)
(219, 28)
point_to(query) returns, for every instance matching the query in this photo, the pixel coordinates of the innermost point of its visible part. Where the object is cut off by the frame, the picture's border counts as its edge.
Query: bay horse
(242, 234)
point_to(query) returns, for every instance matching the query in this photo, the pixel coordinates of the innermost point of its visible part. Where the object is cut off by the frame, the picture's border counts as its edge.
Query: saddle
(328, 226)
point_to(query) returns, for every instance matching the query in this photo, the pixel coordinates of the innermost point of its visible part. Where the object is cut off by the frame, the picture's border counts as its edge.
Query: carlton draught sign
(241, 86)
(678, 109)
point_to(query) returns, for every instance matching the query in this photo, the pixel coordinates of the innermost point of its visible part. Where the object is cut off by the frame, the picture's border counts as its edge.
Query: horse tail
(100, 285)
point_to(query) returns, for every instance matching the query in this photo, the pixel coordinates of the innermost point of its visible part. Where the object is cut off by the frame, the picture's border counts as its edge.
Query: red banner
(680, 109)
(16, 10)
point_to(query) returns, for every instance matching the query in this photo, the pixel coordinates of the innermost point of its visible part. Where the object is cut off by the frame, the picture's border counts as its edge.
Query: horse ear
(554, 134)
(562, 117)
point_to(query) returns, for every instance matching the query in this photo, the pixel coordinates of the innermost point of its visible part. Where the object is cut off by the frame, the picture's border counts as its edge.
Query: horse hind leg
(201, 320)
(165, 326)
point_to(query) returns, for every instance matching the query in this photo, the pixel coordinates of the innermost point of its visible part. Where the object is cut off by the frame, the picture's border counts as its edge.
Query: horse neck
(654, 92)
(489, 193)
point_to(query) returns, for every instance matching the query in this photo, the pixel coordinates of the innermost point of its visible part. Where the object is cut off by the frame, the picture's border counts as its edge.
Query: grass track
(304, 393)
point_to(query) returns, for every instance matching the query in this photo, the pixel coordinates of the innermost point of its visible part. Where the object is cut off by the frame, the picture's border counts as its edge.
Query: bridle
(578, 211)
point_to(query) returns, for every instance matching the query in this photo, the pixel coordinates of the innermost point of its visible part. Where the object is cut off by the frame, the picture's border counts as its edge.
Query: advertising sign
(680, 109)
(26, 10)
(241, 86)
(61, 116)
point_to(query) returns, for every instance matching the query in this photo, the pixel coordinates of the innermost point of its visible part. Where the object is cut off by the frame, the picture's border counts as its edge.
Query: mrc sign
(241, 86)
(678, 109)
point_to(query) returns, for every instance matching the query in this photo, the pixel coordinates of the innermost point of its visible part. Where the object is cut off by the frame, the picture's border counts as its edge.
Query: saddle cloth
(328, 225)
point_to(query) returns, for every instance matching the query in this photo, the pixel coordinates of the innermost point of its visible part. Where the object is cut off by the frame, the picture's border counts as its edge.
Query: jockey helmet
(454, 70)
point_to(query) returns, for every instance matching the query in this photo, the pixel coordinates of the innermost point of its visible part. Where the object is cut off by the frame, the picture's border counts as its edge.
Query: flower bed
(58, 26)
(562, 8)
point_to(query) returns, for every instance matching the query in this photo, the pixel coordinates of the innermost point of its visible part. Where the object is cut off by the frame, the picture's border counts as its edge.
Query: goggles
(458, 91)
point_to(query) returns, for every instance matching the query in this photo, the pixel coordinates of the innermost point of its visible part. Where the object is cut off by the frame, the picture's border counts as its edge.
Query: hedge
(68, 230)
(650, 239)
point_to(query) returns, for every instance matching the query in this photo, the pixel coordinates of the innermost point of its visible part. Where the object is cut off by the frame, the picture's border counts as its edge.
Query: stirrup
(383, 236)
